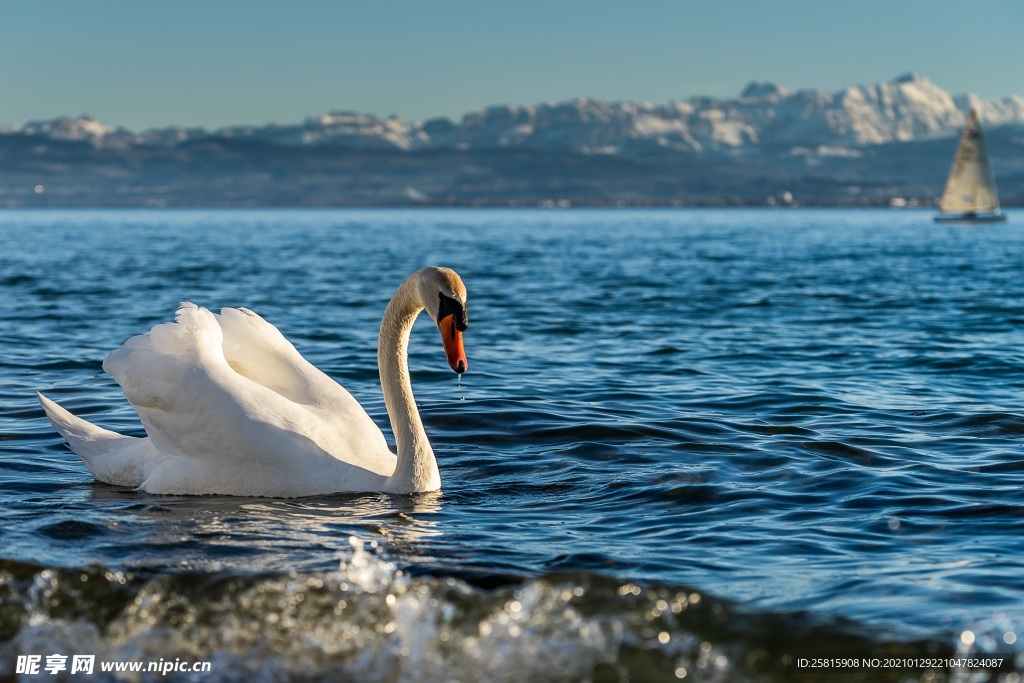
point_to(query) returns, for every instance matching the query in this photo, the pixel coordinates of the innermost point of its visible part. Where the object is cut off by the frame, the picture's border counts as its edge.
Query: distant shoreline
(478, 205)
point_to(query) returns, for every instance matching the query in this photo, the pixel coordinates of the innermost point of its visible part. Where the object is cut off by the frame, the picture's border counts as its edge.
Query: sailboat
(970, 193)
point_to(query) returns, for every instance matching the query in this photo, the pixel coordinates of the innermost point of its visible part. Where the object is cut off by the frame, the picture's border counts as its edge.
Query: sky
(215, 63)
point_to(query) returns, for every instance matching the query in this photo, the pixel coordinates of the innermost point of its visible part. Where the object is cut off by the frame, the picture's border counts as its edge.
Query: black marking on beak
(450, 306)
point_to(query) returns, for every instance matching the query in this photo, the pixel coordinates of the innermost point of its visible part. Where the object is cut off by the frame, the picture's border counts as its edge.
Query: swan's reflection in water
(212, 533)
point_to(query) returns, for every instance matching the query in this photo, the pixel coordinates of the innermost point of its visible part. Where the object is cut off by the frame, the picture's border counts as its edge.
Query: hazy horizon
(234, 63)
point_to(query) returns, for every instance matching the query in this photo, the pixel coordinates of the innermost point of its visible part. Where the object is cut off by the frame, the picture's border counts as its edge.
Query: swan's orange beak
(452, 339)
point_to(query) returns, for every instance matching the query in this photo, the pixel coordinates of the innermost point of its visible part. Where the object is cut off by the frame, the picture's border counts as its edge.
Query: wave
(371, 620)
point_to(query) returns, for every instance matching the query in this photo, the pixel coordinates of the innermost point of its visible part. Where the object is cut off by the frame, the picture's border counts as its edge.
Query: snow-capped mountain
(83, 128)
(339, 128)
(859, 146)
(908, 108)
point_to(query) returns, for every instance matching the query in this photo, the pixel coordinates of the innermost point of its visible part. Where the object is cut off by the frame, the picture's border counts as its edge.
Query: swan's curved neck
(416, 470)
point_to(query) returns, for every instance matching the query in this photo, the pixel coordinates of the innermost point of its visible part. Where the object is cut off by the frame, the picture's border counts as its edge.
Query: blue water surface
(815, 412)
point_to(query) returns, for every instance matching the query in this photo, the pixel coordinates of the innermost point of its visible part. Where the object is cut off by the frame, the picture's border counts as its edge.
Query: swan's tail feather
(111, 457)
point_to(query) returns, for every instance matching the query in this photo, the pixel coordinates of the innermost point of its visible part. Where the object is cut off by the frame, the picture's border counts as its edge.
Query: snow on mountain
(82, 128)
(339, 128)
(765, 115)
(1007, 111)
(908, 108)
(585, 125)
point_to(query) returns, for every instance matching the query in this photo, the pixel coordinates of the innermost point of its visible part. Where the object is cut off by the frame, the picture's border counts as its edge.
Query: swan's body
(230, 407)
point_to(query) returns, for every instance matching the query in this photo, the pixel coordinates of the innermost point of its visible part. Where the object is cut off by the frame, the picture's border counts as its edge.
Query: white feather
(231, 407)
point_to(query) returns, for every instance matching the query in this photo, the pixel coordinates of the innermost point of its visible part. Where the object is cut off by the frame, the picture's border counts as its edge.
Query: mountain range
(888, 142)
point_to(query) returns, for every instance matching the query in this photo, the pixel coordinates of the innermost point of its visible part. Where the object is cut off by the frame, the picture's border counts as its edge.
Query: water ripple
(812, 418)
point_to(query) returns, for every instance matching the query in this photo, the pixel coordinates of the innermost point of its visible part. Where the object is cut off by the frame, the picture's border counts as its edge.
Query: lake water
(692, 444)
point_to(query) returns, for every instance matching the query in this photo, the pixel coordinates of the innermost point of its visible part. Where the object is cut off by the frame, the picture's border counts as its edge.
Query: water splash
(370, 620)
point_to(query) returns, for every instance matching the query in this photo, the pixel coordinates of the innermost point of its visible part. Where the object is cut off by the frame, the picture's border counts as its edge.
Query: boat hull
(970, 218)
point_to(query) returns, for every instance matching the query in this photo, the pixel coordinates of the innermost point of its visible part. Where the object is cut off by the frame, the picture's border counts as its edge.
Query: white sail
(971, 187)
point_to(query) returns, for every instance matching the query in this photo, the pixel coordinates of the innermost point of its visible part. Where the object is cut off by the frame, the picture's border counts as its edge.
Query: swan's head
(444, 298)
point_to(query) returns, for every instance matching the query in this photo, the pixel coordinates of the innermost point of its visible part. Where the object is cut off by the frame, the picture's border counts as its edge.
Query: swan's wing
(246, 433)
(257, 350)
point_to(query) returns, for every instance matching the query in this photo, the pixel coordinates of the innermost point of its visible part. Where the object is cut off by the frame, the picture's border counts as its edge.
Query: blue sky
(143, 64)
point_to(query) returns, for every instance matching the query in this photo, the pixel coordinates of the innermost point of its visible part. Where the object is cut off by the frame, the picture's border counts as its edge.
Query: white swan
(230, 407)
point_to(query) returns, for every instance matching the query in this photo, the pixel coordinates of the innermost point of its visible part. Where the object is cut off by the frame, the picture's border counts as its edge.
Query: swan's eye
(450, 306)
